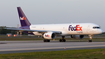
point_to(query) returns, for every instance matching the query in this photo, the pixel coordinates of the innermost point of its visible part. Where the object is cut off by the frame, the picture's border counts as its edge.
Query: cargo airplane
(50, 31)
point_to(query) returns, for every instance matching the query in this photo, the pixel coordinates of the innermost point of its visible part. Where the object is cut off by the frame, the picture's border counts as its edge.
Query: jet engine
(77, 36)
(49, 35)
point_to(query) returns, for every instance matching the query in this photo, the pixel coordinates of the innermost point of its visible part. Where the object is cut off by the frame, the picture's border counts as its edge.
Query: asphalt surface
(36, 46)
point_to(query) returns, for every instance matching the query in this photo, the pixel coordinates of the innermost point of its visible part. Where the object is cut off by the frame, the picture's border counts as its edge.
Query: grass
(68, 54)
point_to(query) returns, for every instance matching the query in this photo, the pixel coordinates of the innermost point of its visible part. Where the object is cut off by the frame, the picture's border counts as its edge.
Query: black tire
(48, 40)
(45, 40)
(60, 40)
(64, 40)
(90, 40)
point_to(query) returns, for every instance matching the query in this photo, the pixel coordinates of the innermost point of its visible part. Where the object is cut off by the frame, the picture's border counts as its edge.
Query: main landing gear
(46, 40)
(63, 39)
(90, 36)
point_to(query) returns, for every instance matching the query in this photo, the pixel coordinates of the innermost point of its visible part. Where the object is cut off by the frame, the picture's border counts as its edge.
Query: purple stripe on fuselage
(29, 33)
(25, 27)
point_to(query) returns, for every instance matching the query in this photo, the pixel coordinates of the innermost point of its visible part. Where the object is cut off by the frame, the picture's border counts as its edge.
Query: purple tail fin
(23, 19)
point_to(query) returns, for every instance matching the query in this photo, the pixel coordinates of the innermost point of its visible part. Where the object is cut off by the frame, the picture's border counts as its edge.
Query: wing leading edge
(40, 31)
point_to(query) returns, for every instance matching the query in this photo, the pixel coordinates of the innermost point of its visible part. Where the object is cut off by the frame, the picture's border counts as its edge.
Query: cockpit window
(96, 27)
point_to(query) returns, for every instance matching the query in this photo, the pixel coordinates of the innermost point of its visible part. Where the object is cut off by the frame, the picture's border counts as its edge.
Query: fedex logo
(75, 28)
(47, 35)
(22, 18)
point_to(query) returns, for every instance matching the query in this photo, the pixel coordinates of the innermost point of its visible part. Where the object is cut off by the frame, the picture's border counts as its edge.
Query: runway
(35, 46)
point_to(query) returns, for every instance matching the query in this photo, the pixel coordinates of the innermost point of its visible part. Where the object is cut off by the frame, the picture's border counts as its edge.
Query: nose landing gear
(90, 36)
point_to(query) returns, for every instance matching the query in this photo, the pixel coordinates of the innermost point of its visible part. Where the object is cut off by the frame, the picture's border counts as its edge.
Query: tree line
(4, 31)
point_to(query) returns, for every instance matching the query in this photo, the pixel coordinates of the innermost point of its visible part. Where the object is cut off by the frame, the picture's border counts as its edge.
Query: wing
(40, 31)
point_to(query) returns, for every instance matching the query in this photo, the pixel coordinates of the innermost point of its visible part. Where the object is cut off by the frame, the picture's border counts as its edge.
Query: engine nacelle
(49, 35)
(77, 36)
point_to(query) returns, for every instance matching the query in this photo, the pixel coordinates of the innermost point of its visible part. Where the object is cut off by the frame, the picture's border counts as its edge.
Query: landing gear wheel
(45, 40)
(62, 40)
(48, 40)
(90, 40)
(90, 36)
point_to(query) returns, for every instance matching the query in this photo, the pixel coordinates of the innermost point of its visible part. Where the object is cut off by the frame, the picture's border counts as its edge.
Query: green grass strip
(68, 54)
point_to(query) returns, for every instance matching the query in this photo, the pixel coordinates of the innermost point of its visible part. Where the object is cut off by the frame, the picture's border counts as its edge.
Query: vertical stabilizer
(23, 19)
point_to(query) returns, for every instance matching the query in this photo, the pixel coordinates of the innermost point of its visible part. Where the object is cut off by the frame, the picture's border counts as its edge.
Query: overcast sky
(53, 11)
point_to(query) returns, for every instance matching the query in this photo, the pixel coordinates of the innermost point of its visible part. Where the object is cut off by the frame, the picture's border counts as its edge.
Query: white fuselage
(69, 29)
